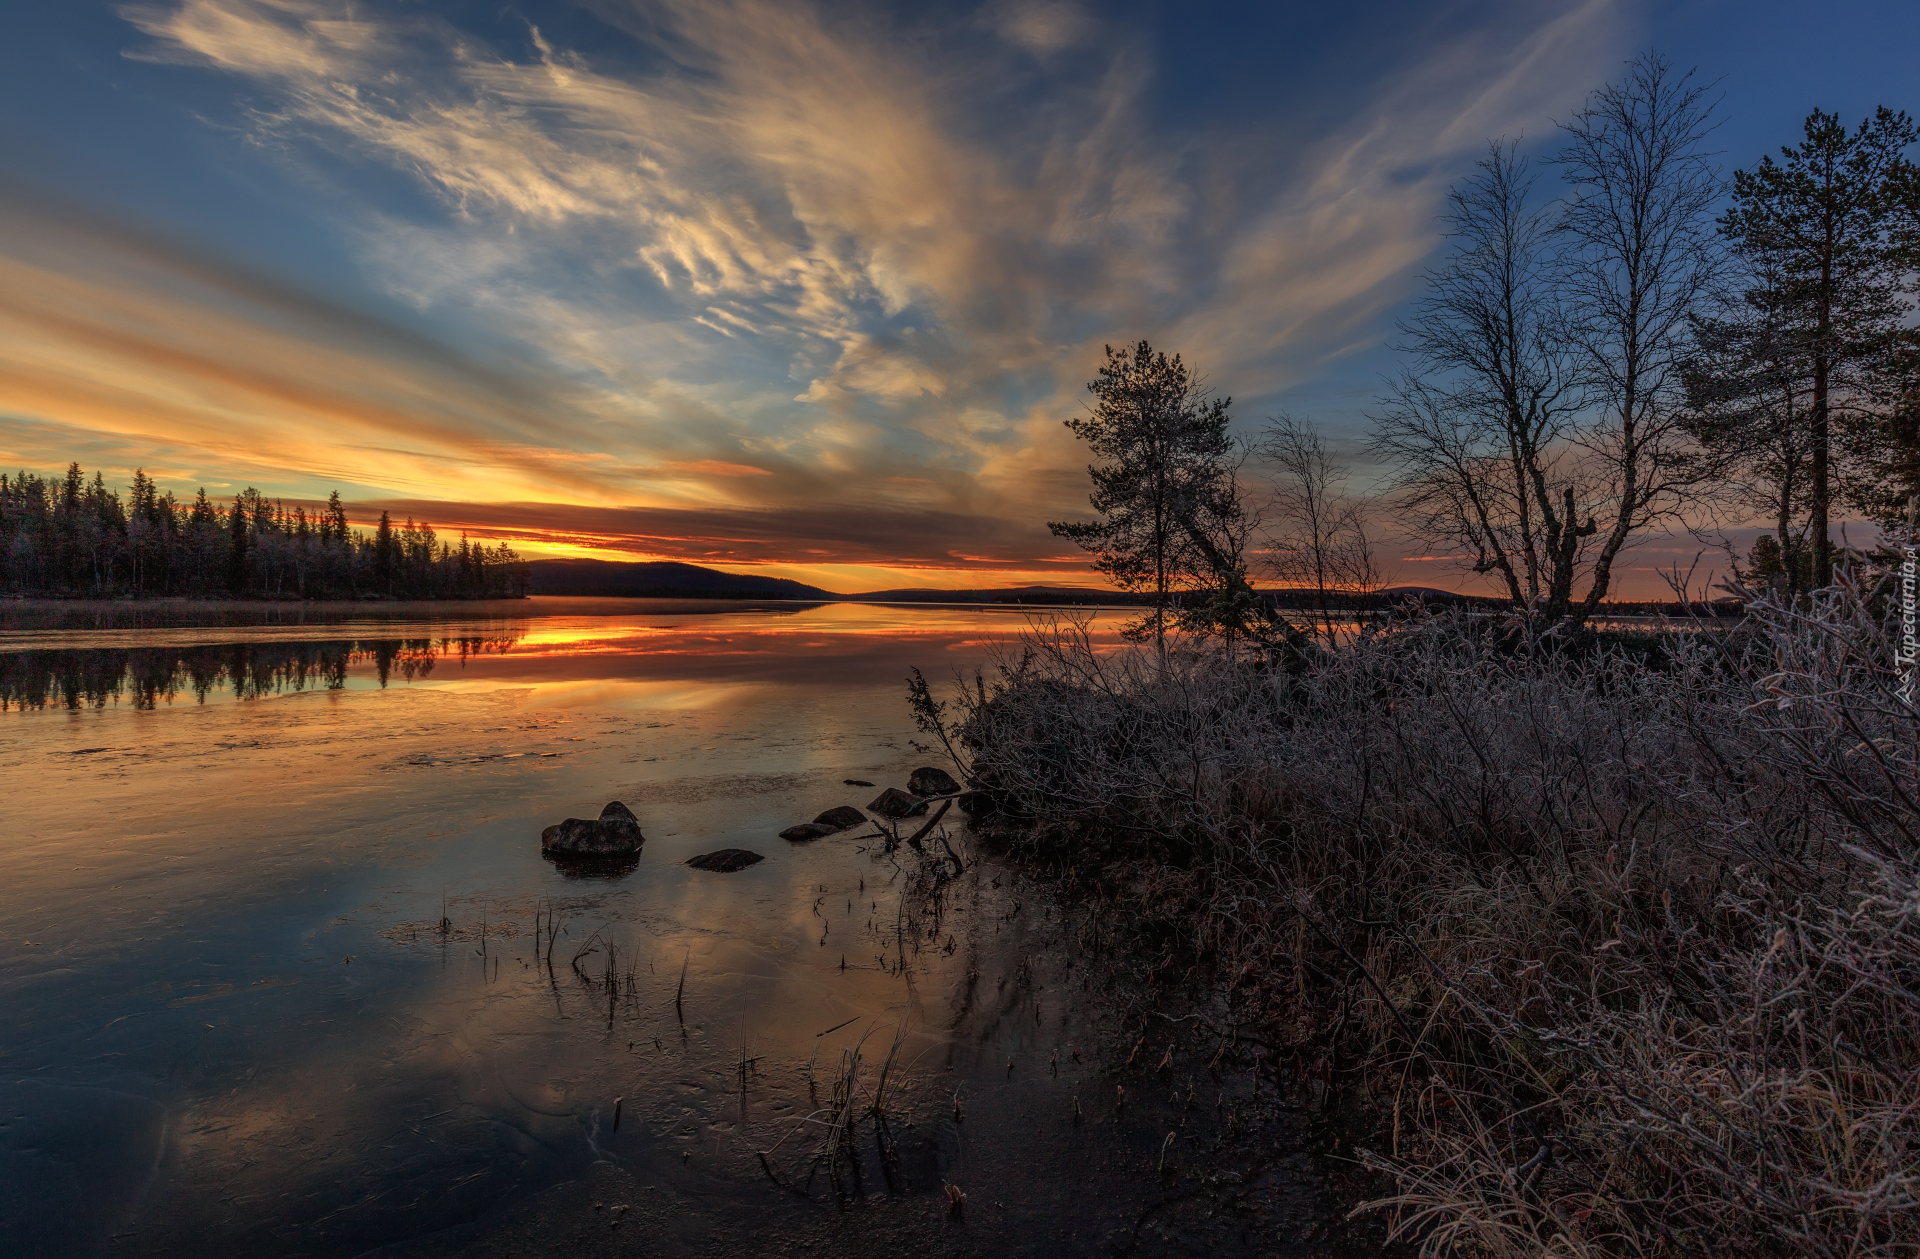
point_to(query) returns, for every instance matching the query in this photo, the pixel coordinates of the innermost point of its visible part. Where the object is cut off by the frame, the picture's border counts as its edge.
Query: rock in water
(619, 824)
(851, 782)
(615, 833)
(842, 818)
(928, 781)
(807, 830)
(725, 860)
(895, 803)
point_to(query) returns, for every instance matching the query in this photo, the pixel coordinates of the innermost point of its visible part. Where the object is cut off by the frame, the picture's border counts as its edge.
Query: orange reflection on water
(808, 644)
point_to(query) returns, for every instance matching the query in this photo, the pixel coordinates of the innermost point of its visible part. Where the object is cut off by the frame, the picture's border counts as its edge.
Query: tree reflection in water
(146, 676)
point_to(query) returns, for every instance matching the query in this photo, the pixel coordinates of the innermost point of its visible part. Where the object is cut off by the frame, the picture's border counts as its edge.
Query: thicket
(1621, 948)
(77, 537)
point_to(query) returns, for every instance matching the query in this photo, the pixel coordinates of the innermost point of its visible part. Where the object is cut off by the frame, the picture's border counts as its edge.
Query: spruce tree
(336, 518)
(237, 547)
(383, 554)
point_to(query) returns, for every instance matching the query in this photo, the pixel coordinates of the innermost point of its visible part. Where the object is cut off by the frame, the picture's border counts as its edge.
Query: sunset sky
(788, 288)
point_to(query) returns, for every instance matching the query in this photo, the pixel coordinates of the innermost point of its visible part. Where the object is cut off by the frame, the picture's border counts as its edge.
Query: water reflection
(593, 867)
(149, 676)
(242, 930)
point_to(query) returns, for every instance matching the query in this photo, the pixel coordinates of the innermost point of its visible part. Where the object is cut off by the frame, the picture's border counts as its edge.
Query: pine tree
(1749, 390)
(1826, 218)
(1166, 447)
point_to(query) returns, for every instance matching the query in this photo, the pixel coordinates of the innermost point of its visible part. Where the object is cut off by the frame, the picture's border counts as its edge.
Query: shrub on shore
(1624, 947)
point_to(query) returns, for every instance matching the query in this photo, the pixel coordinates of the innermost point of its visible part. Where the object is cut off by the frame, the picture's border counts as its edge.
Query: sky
(803, 290)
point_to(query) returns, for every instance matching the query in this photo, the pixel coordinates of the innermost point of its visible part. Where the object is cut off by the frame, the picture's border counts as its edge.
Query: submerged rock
(895, 803)
(851, 782)
(831, 822)
(840, 818)
(928, 781)
(615, 833)
(724, 860)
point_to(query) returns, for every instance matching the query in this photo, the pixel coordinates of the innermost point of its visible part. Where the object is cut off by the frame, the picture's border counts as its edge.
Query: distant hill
(661, 579)
(999, 594)
(664, 579)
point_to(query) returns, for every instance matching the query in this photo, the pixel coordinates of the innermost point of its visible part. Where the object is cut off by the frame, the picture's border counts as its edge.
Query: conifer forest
(76, 537)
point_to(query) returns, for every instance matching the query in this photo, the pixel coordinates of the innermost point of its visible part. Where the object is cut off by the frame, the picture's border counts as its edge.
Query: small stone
(807, 830)
(928, 781)
(724, 860)
(851, 782)
(895, 803)
(841, 817)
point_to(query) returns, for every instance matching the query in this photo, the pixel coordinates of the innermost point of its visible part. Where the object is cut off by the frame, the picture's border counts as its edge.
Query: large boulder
(615, 833)
(807, 830)
(928, 781)
(724, 860)
(841, 817)
(896, 804)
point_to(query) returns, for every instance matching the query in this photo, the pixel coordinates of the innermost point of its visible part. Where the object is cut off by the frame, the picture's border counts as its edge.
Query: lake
(286, 973)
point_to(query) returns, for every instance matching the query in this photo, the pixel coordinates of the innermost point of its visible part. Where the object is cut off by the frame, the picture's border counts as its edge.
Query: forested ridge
(75, 537)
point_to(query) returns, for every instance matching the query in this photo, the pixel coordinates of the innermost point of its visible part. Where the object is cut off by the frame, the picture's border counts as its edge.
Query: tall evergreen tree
(336, 517)
(1165, 445)
(1749, 387)
(1826, 218)
(384, 556)
(237, 547)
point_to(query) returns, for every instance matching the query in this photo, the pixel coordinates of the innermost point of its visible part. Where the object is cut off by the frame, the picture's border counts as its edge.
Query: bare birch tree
(1320, 540)
(1641, 256)
(1538, 429)
(1476, 429)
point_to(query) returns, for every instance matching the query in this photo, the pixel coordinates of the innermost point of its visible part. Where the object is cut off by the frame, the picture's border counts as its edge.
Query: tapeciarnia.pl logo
(1907, 652)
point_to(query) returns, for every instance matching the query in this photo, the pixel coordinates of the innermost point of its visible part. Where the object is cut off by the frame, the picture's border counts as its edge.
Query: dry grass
(1621, 941)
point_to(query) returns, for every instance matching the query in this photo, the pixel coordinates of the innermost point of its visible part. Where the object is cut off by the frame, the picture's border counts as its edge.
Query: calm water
(267, 938)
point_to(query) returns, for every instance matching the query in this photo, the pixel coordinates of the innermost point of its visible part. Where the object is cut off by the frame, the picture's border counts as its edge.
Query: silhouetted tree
(1319, 539)
(1540, 426)
(383, 554)
(1165, 450)
(1830, 222)
(1749, 387)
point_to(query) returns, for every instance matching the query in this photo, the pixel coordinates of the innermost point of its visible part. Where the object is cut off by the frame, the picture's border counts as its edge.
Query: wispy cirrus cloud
(754, 255)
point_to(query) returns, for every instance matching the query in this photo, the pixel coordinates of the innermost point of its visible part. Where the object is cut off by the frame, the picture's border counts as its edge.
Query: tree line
(75, 536)
(1658, 347)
